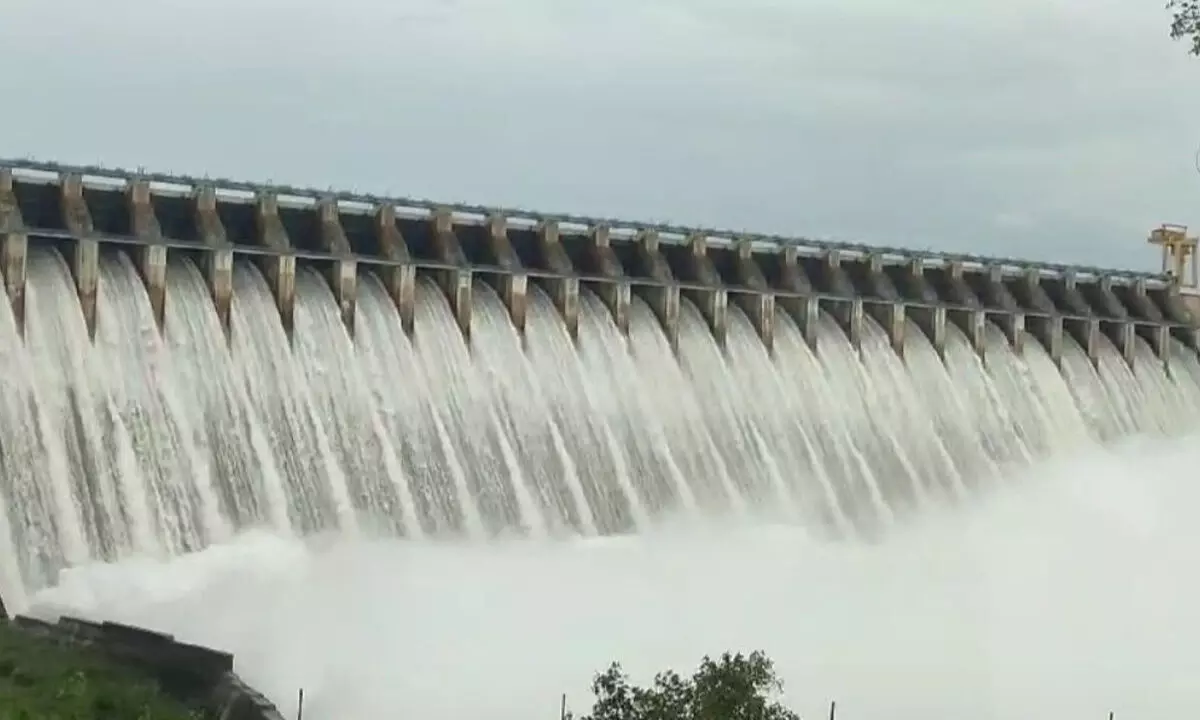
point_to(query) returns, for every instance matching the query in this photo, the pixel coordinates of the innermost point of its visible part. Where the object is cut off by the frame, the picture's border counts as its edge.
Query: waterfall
(157, 444)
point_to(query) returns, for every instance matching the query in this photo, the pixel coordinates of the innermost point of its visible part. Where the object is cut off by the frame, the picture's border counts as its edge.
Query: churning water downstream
(128, 457)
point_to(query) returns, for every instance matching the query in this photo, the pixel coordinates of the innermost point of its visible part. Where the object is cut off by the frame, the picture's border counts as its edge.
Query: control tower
(1179, 262)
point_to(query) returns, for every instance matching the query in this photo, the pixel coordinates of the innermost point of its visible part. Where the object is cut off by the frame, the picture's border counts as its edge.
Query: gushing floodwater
(1030, 533)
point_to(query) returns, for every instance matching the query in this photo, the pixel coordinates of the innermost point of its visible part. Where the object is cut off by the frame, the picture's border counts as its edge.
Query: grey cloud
(1060, 130)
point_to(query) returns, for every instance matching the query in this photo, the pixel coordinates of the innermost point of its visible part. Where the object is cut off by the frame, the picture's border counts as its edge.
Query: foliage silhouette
(733, 687)
(1185, 22)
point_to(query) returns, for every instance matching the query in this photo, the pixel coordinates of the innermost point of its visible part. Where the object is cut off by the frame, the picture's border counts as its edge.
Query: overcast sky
(1054, 129)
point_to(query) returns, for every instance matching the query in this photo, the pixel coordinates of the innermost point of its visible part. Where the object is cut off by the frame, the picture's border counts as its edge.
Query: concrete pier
(563, 289)
(854, 313)
(1138, 301)
(1042, 317)
(797, 298)
(1101, 296)
(1086, 333)
(967, 311)
(400, 275)
(1004, 310)
(1174, 307)
(935, 328)
(1124, 337)
(455, 282)
(218, 260)
(713, 300)
(1189, 334)
(1064, 291)
(927, 311)
(1079, 320)
(1013, 326)
(85, 250)
(1135, 298)
(1190, 298)
(846, 307)
(1159, 337)
(1048, 329)
(151, 256)
(663, 296)
(1178, 308)
(343, 274)
(759, 303)
(13, 248)
(280, 266)
(1085, 328)
(891, 313)
(513, 283)
(615, 292)
(1119, 329)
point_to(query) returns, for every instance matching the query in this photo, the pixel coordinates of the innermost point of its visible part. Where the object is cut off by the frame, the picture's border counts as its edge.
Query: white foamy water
(499, 518)
(1072, 593)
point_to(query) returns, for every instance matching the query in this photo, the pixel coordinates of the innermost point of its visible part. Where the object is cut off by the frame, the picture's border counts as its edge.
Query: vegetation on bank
(41, 679)
(733, 687)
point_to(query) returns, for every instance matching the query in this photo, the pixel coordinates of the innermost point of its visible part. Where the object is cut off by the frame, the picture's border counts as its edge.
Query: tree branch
(1185, 22)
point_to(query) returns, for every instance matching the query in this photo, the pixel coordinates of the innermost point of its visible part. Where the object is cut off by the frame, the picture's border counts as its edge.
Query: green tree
(734, 687)
(1185, 22)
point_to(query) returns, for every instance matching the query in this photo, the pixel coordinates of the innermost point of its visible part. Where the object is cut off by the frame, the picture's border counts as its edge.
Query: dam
(189, 358)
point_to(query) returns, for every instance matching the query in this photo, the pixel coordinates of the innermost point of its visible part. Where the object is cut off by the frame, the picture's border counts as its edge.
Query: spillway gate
(83, 211)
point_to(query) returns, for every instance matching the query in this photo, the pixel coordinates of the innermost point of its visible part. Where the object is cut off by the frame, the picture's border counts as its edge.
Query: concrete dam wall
(397, 241)
(189, 358)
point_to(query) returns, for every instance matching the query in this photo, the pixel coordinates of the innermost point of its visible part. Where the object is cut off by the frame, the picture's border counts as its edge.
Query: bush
(41, 679)
(735, 687)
